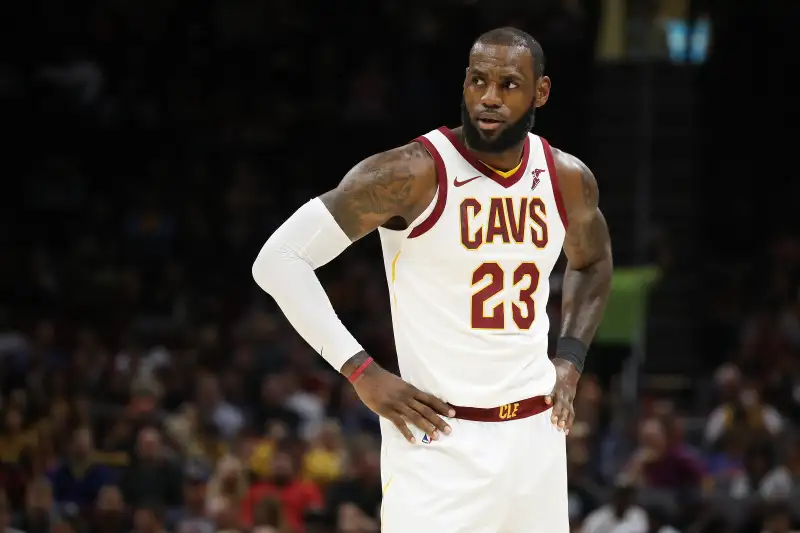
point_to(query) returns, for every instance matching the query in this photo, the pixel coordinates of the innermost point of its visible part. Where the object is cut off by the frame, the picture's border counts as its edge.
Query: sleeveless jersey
(469, 279)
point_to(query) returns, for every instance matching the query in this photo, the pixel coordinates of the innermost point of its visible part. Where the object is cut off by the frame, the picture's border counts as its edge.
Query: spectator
(151, 478)
(115, 447)
(227, 418)
(781, 481)
(360, 493)
(109, 512)
(273, 404)
(325, 459)
(269, 517)
(739, 404)
(40, 510)
(149, 519)
(657, 463)
(758, 461)
(14, 440)
(78, 480)
(193, 518)
(619, 515)
(227, 488)
(727, 458)
(296, 495)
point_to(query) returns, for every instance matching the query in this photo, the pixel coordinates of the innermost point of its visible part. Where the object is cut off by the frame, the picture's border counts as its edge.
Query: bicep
(377, 189)
(587, 240)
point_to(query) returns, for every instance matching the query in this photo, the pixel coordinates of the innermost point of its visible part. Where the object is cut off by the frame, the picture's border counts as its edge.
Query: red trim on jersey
(481, 167)
(441, 180)
(551, 168)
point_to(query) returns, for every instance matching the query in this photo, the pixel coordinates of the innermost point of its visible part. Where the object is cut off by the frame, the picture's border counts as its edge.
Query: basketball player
(471, 222)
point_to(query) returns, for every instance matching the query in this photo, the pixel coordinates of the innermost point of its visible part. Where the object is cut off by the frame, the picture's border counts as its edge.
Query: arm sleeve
(284, 268)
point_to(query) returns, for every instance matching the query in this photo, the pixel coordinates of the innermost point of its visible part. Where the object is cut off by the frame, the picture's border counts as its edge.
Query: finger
(418, 420)
(431, 416)
(571, 420)
(401, 425)
(434, 403)
(563, 418)
(555, 411)
(559, 414)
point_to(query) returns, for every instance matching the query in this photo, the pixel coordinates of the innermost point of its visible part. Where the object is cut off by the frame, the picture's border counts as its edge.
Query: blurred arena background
(147, 383)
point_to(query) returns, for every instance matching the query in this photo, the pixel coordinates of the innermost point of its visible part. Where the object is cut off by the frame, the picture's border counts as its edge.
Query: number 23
(495, 318)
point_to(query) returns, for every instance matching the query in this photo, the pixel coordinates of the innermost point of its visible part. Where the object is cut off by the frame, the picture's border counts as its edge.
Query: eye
(477, 81)
(510, 85)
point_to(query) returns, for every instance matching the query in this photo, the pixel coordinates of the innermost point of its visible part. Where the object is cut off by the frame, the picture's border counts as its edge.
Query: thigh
(454, 485)
(540, 491)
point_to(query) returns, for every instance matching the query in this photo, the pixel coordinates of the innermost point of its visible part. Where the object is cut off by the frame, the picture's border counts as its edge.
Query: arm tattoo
(587, 279)
(377, 189)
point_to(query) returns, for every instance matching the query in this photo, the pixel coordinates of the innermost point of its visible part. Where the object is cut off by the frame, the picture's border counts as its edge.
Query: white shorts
(485, 477)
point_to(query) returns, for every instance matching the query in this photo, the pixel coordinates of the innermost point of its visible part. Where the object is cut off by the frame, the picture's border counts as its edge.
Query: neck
(503, 161)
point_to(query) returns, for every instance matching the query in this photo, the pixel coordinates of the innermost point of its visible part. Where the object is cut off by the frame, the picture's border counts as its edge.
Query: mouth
(489, 122)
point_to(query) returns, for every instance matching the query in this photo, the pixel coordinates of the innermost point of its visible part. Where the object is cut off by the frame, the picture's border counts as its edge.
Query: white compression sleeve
(284, 268)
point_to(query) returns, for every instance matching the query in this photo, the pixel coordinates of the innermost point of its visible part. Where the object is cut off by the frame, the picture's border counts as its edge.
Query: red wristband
(360, 370)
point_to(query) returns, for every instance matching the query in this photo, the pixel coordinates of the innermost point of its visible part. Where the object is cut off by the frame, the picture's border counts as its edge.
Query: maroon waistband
(503, 413)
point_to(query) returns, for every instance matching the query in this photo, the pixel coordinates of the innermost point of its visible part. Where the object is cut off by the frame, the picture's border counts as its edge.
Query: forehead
(505, 59)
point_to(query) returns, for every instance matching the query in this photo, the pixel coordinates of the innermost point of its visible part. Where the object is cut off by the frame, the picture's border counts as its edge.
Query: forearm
(285, 270)
(584, 295)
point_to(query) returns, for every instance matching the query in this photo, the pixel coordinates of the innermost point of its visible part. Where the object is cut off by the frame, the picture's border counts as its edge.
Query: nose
(491, 98)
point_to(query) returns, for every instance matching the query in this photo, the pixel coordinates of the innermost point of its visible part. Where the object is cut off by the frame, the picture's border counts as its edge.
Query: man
(620, 515)
(471, 221)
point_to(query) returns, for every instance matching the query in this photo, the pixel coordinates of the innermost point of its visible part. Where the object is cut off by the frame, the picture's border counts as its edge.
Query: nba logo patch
(426, 439)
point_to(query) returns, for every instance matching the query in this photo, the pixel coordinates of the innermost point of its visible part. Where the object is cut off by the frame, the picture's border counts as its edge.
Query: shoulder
(390, 184)
(572, 172)
(412, 158)
(576, 182)
(399, 170)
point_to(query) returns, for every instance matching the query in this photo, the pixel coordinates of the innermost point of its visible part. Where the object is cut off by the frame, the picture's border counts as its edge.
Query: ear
(542, 91)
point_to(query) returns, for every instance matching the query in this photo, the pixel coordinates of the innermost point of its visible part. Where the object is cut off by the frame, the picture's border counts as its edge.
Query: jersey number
(523, 311)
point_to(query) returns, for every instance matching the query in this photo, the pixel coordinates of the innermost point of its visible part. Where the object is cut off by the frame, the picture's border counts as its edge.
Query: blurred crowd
(147, 384)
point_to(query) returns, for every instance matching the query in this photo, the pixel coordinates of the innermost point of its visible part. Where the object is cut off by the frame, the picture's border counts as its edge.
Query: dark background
(151, 148)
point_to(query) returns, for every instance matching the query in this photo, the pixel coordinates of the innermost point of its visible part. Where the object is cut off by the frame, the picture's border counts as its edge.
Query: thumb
(549, 399)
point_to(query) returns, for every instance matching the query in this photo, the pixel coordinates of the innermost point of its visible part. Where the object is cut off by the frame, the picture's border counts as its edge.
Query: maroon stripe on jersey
(441, 198)
(481, 167)
(551, 169)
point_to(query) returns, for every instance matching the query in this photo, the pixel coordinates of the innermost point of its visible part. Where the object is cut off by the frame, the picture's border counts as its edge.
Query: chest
(485, 219)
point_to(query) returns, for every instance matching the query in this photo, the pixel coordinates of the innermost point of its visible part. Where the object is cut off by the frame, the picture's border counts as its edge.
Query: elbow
(264, 265)
(276, 263)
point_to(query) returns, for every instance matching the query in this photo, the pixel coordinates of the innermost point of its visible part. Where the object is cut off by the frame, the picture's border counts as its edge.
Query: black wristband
(572, 350)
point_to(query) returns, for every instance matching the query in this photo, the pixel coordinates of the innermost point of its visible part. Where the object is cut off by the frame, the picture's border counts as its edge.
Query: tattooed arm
(399, 183)
(392, 187)
(587, 280)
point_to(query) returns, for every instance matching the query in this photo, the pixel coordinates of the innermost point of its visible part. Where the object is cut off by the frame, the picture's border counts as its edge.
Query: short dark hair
(509, 36)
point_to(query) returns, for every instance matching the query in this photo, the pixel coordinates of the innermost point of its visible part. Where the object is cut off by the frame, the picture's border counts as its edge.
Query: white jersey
(469, 279)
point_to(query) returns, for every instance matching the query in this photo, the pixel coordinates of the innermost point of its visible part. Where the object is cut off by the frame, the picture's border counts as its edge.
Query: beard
(508, 138)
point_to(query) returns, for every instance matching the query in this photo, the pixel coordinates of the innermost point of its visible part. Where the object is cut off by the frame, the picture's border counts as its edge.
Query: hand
(563, 394)
(644, 455)
(400, 402)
